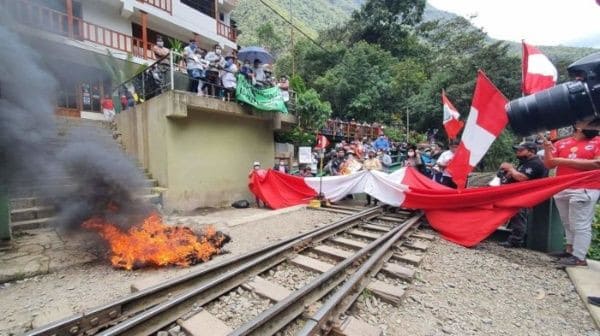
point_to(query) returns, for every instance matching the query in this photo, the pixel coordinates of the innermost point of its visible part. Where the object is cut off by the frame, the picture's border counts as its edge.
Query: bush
(594, 252)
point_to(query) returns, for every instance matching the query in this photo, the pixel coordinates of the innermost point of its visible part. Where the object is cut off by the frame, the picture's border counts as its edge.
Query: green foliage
(594, 251)
(361, 85)
(297, 84)
(119, 70)
(268, 38)
(311, 112)
(500, 151)
(176, 46)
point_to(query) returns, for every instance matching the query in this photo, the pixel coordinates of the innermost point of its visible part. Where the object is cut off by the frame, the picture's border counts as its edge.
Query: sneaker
(561, 254)
(572, 261)
(594, 300)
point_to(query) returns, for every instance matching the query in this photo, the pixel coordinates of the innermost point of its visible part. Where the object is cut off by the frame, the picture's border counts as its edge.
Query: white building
(71, 34)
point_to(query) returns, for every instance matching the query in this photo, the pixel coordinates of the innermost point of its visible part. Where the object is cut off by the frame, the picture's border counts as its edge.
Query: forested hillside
(383, 61)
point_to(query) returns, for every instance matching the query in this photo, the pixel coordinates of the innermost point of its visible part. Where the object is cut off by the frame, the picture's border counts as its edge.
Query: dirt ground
(488, 290)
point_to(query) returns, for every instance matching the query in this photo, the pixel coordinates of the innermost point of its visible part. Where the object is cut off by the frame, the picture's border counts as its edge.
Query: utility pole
(292, 40)
(407, 124)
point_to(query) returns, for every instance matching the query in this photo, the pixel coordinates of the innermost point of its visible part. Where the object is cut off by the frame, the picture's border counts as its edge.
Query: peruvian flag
(538, 72)
(486, 121)
(322, 142)
(452, 122)
(465, 217)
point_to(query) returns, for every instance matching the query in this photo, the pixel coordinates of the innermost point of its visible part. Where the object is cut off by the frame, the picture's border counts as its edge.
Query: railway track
(324, 271)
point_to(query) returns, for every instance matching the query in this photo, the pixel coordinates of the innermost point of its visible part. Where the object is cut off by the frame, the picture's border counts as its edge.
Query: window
(205, 6)
(221, 17)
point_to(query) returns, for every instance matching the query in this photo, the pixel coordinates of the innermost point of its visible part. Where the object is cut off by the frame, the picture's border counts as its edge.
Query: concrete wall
(105, 15)
(201, 154)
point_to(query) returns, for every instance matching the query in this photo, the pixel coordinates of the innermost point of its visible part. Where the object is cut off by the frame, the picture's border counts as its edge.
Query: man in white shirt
(443, 176)
(259, 73)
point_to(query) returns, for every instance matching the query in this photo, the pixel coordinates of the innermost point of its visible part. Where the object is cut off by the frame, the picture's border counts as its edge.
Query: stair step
(35, 212)
(31, 224)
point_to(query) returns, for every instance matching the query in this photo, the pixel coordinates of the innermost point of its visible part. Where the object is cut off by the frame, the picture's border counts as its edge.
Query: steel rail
(95, 318)
(352, 288)
(163, 313)
(286, 310)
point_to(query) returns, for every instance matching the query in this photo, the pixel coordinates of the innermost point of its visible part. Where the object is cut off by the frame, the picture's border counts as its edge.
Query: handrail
(226, 31)
(165, 5)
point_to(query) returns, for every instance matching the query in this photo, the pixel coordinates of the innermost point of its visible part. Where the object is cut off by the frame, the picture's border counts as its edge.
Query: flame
(152, 243)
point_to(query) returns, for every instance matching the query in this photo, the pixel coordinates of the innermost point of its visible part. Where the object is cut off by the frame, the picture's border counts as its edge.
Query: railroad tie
(355, 327)
(267, 289)
(332, 251)
(417, 245)
(201, 323)
(409, 258)
(376, 227)
(423, 235)
(311, 263)
(349, 242)
(399, 271)
(364, 234)
(386, 292)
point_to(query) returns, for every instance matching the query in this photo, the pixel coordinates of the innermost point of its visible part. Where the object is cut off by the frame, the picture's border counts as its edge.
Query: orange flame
(152, 243)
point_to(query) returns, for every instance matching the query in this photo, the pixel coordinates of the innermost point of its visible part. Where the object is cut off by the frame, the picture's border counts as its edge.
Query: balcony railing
(226, 31)
(50, 20)
(165, 5)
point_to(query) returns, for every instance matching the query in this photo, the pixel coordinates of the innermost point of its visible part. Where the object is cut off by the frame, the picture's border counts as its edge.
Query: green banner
(268, 99)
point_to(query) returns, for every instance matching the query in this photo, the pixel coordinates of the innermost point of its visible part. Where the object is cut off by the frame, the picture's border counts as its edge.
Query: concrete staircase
(28, 211)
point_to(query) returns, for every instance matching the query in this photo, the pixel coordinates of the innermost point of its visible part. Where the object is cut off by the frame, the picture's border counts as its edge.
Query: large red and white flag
(452, 122)
(486, 121)
(538, 72)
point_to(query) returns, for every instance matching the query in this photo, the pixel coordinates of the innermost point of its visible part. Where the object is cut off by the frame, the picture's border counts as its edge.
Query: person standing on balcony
(228, 79)
(193, 65)
(259, 74)
(284, 86)
(216, 65)
(160, 50)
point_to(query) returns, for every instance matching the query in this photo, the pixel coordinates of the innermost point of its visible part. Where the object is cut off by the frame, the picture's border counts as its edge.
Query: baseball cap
(531, 146)
(256, 163)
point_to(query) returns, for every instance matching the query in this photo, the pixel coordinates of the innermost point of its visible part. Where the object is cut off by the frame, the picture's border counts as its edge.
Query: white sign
(304, 155)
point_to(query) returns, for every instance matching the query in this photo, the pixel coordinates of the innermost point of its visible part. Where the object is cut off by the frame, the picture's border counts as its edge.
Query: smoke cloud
(82, 173)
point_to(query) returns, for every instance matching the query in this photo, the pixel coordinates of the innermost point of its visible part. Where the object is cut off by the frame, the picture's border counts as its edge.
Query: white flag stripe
(476, 138)
(540, 64)
(450, 114)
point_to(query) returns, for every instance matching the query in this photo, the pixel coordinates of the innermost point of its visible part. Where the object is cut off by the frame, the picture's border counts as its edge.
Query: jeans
(576, 210)
(518, 224)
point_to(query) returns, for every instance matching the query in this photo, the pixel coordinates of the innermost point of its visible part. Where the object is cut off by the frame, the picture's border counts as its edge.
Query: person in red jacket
(578, 153)
(108, 108)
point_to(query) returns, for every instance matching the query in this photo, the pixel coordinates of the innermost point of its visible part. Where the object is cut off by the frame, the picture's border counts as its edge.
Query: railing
(47, 19)
(350, 130)
(165, 5)
(226, 31)
(166, 74)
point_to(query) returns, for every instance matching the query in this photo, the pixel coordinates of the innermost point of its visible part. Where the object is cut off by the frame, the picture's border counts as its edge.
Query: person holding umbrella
(258, 56)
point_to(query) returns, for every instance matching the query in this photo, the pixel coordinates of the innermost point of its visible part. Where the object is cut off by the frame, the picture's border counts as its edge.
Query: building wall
(202, 158)
(105, 15)
(185, 17)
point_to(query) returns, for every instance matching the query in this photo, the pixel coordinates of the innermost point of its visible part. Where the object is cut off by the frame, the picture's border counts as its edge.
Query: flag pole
(321, 156)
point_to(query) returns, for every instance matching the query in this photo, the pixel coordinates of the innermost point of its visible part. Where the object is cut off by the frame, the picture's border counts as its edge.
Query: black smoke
(79, 172)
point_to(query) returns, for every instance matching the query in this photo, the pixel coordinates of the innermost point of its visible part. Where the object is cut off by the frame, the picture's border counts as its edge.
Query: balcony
(53, 21)
(165, 5)
(226, 31)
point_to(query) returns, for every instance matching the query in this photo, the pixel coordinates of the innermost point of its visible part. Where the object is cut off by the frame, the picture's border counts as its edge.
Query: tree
(360, 85)
(269, 38)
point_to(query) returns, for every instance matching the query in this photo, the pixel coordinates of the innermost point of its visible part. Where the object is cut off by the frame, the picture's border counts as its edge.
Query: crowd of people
(213, 74)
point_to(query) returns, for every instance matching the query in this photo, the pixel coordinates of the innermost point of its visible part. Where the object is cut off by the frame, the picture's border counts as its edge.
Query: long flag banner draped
(466, 217)
(268, 99)
(486, 121)
(538, 72)
(452, 122)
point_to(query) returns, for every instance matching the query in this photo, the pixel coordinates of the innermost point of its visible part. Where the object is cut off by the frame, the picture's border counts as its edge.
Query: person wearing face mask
(578, 153)
(530, 167)
(412, 158)
(372, 163)
(193, 65)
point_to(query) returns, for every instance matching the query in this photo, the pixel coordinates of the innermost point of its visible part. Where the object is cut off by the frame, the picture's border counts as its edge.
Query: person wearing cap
(530, 167)
(578, 153)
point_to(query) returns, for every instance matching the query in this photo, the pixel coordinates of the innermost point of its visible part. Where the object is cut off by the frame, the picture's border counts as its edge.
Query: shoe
(594, 300)
(509, 244)
(561, 254)
(572, 261)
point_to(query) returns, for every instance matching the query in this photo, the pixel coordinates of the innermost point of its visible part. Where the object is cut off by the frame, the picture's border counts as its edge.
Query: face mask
(256, 167)
(218, 51)
(411, 154)
(160, 43)
(193, 46)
